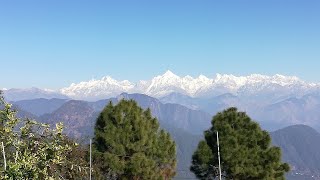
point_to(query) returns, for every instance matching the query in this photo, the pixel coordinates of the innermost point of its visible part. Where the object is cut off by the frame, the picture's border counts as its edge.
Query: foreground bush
(33, 150)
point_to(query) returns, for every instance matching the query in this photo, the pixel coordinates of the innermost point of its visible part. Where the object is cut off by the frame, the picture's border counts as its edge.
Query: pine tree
(129, 144)
(246, 151)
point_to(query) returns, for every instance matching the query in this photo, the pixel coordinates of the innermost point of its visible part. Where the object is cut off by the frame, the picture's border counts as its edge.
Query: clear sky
(50, 44)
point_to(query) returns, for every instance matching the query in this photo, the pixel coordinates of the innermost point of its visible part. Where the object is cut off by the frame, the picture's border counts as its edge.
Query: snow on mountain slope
(201, 86)
(169, 83)
(97, 89)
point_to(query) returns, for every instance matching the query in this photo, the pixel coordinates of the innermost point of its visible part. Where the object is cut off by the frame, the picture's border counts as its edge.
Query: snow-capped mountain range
(195, 87)
(201, 86)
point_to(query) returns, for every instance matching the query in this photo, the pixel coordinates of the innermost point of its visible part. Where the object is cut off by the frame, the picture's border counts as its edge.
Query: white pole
(90, 158)
(219, 155)
(15, 159)
(4, 157)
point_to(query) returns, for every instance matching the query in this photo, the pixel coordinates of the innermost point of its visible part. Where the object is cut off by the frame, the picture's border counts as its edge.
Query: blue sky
(54, 43)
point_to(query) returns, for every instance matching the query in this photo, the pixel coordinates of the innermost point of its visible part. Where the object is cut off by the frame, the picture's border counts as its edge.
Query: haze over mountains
(275, 101)
(185, 106)
(163, 85)
(31, 93)
(185, 126)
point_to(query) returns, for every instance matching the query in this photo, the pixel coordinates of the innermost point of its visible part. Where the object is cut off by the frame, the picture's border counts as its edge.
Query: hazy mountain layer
(300, 144)
(40, 106)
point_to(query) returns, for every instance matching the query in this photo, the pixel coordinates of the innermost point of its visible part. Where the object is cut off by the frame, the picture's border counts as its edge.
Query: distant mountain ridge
(31, 93)
(300, 146)
(277, 86)
(271, 112)
(56, 110)
(40, 106)
(186, 127)
(201, 86)
(77, 116)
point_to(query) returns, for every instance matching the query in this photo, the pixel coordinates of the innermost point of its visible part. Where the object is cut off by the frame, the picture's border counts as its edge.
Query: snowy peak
(97, 89)
(169, 74)
(239, 81)
(200, 86)
(169, 83)
(229, 81)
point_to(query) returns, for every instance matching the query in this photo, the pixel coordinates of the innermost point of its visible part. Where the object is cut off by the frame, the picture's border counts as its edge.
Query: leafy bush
(33, 150)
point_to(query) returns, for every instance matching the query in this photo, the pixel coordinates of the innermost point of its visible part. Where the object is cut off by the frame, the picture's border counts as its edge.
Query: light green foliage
(33, 150)
(129, 144)
(246, 151)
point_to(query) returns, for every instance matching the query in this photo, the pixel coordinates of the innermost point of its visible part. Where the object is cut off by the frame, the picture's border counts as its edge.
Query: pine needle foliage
(246, 150)
(129, 144)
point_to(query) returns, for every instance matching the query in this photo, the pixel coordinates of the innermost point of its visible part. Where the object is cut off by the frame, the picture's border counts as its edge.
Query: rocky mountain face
(78, 118)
